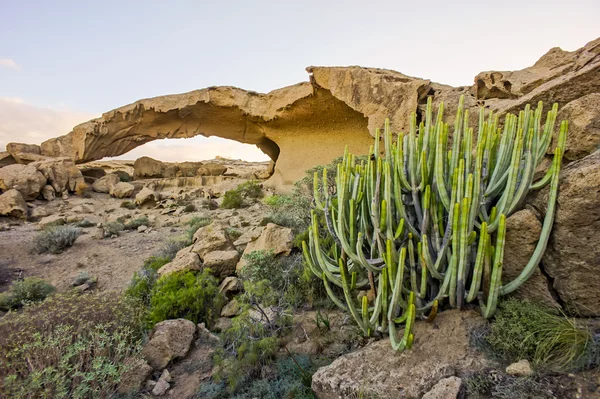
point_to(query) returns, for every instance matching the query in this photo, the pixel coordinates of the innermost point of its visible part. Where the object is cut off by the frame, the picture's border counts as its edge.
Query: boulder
(222, 324)
(522, 368)
(123, 176)
(24, 178)
(104, 184)
(184, 261)
(48, 193)
(147, 198)
(122, 190)
(273, 238)
(523, 231)
(19, 151)
(137, 372)
(230, 286)
(222, 263)
(61, 173)
(161, 387)
(211, 169)
(230, 309)
(51, 221)
(169, 340)
(147, 168)
(441, 349)
(583, 115)
(6, 159)
(13, 204)
(188, 169)
(447, 388)
(95, 172)
(213, 237)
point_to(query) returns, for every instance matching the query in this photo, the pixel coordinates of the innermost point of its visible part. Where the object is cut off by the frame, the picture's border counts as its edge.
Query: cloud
(25, 123)
(9, 63)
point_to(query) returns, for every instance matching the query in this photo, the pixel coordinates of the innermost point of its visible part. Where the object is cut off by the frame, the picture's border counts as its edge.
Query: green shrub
(194, 224)
(135, 223)
(113, 228)
(232, 200)
(291, 211)
(84, 278)
(128, 205)
(185, 295)
(144, 279)
(85, 224)
(250, 189)
(233, 233)
(30, 289)
(189, 208)
(544, 336)
(497, 384)
(55, 239)
(69, 346)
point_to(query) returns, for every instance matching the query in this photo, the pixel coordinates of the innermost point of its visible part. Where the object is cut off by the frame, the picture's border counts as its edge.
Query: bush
(68, 346)
(56, 239)
(232, 200)
(544, 336)
(135, 223)
(113, 228)
(31, 289)
(186, 295)
(143, 280)
(194, 224)
(189, 208)
(85, 224)
(210, 204)
(250, 189)
(128, 205)
(233, 233)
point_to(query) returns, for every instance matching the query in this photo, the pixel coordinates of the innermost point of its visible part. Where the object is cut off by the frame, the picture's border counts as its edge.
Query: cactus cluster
(424, 220)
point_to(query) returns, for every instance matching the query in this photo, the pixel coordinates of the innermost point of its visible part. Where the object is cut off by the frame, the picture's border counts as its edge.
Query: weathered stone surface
(211, 169)
(230, 286)
(132, 380)
(161, 387)
(572, 258)
(273, 238)
(104, 184)
(169, 340)
(13, 204)
(211, 238)
(447, 388)
(146, 167)
(95, 172)
(19, 151)
(222, 263)
(184, 261)
(24, 178)
(6, 159)
(122, 190)
(61, 174)
(441, 349)
(53, 220)
(48, 193)
(230, 309)
(522, 368)
(147, 198)
(523, 230)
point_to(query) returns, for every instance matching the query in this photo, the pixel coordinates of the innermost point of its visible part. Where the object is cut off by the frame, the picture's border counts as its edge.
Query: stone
(211, 169)
(147, 198)
(169, 340)
(165, 375)
(183, 261)
(48, 193)
(273, 238)
(137, 372)
(51, 221)
(522, 368)
(20, 151)
(205, 336)
(160, 388)
(230, 286)
(223, 323)
(61, 174)
(13, 204)
(104, 184)
(142, 228)
(122, 190)
(249, 235)
(231, 309)
(441, 349)
(95, 172)
(6, 159)
(447, 388)
(583, 115)
(523, 230)
(146, 167)
(24, 178)
(222, 263)
(73, 219)
(213, 237)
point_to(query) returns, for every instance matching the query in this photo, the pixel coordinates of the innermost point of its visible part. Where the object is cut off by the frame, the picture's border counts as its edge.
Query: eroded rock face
(61, 174)
(583, 115)
(211, 238)
(441, 350)
(169, 340)
(273, 238)
(13, 204)
(147, 198)
(26, 179)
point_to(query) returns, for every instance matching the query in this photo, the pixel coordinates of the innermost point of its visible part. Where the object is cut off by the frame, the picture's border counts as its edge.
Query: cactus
(421, 223)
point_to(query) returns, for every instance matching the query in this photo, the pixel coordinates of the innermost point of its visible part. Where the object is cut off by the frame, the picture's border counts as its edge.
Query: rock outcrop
(169, 340)
(26, 179)
(13, 204)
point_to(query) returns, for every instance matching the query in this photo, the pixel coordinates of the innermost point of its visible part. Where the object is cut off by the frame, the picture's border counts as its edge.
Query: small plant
(29, 290)
(128, 205)
(56, 239)
(113, 228)
(81, 189)
(135, 223)
(189, 208)
(194, 224)
(210, 204)
(143, 281)
(232, 200)
(186, 295)
(322, 322)
(84, 278)
(250, 189)
(84, 224)
(233, 233)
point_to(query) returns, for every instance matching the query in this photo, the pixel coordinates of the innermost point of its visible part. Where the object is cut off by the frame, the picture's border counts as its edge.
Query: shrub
(291, 211)
(113, 228)
(171, 247)
(143, 280)
(68, 346)
(85, 224)
(210, 204)
(233, 233)
(189, 208)
(546, 337)
(250, 189)
(56, 239)
(186, 295)
(81, 189)
(135, 223)
(84, 278)
(194, 224)
(30, 289)
(128, 205)
(232, 200)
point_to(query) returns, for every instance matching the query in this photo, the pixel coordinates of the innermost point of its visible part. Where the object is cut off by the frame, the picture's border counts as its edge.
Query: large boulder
(6, 159)
(26, 179)
(122, 190)
(523, 231)
(169, 340)
(146, 168)
(213, 237)
(13, 204)
(572, 258)
(95, 172)
(440, 350)
(211, 169)
(185, 260)
(61, 174)
(147, 198)
(21, 152)
(273, 238)
(222, 263)
(104, 184)
(137, 372)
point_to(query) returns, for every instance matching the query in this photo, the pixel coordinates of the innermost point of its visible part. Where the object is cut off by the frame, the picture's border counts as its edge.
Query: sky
(65, 62)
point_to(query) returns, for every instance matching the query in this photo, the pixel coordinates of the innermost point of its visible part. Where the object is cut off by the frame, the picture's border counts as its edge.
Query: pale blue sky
(86, 57)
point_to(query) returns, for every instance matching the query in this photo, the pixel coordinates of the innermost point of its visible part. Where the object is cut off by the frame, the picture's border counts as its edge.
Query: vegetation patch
(27, 291)
(55, 239)
(234, 199)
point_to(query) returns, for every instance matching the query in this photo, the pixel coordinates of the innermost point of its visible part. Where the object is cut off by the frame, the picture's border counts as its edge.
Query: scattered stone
(104, 184)
(184, 261)
(169, 340)
(62, 174)
(147, 198)
(205, 336)
(447, 388)
(222, 263)
(24, 178)
(211, 238)
(231, 309)
(48, 193)
(273, 238)
(165, 375)
(160, 388)
(73, 219)
(137, 372)
(150, 384)
(142, 228)
(522, 368)
(122, 190)
(13, 204)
